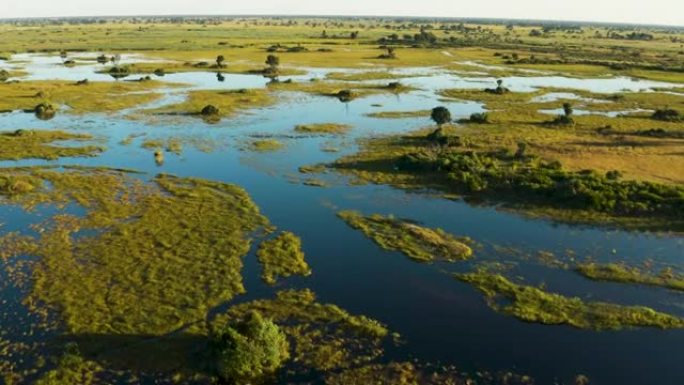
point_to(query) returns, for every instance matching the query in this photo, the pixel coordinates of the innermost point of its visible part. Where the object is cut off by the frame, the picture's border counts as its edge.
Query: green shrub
(479, 118)
(667, 115)
(250, 349)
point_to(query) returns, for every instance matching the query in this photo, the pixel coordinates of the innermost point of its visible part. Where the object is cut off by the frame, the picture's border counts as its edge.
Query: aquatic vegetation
(282, 256)
(408, 373)
(533, 304)
(93, 97)
(44, 111)
(71, 368)
(345, 92)
(25, 144)
(161, 257)
(399, 114)
(314, 182)
(217, 104)
(249, 349)
(368, 75)
(174, 145)
(323, 128)
(614, 272)
(420, 243)
(322, 336)
(266, 145)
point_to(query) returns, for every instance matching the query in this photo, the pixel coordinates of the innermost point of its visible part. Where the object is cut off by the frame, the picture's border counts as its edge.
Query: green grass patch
(266, 145)
(400, 114)
(614, 272)
(532, 304)
(228, 103)
(162, 256)
(26, 144)
(323, 128)
(323, 336)
(282, 256)
(419, 243)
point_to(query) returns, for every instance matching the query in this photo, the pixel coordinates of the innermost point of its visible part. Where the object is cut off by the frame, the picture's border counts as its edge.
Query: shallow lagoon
(440, 318)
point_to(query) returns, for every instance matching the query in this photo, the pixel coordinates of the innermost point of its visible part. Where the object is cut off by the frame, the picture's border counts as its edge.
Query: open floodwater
(440, 319)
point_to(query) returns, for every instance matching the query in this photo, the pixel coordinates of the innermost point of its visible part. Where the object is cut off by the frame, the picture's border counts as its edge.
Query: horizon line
(441, 18)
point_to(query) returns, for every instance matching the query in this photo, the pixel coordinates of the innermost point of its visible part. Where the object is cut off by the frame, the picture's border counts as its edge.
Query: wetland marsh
(204, 191)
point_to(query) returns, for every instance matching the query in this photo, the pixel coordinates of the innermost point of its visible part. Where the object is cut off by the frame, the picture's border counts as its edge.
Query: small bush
(209, 110)
(667, 115)
(479, 118)
(44, 111)
(250, 349)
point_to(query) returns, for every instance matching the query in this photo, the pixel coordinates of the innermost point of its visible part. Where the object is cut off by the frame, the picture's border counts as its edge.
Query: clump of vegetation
(322, 336)
(521, 178)
(209, 111)
(249, 349)
(119, 72)
(4, 75)
(566, 118)
(71, 368)
(667, 115)
(266, 145)
(399, 114)
(146, 259)
(390, 53)
(44, 111)
(499, 90)
(282, 256)
(479, 118)
(323, 128)
(273, 69)
(25, 144)
(440, 115)
(218, 104)
(533, 304)
(407, 373)
(420, 243)
(346, 95)
(621, 273)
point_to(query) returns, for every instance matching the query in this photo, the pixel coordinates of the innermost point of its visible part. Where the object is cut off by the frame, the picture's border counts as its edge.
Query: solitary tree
(273, 62)
(249, 349)
(219, 61)
(567, 109)
(440, 115)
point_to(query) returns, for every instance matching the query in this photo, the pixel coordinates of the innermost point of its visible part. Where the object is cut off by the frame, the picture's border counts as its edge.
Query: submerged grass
(266, 145)
(282, 256)
(323, 128)
(399, 114)
(25, 144)
(614, 272)
(533, 304)
(420, 243)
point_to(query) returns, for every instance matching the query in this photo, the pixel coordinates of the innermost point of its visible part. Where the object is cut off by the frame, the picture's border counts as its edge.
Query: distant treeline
(209, 19)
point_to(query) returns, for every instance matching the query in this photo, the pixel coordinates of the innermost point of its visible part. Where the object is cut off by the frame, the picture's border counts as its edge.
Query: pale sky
(624, 11)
